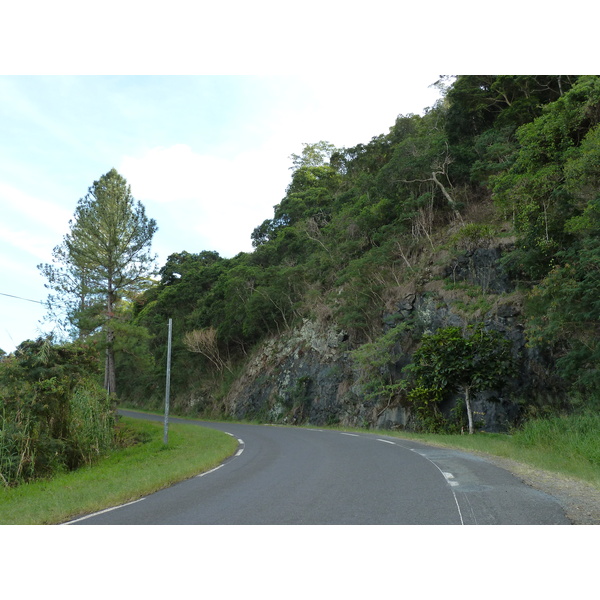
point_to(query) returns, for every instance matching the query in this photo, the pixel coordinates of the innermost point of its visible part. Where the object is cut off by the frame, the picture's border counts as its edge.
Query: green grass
(125, 475)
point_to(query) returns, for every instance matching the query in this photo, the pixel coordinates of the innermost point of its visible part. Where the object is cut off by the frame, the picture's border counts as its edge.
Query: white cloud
(25, 241)
(168, 175)
(214, 202)
(52, 216)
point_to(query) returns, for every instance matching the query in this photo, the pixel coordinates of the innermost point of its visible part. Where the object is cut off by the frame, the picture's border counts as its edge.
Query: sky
(207, 155)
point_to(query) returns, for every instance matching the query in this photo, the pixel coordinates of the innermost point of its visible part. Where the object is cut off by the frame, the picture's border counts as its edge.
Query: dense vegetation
(497, 152)
(497, 155)
(55, 414)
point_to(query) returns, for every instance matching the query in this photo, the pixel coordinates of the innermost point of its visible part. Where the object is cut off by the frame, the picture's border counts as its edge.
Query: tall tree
(107, 253)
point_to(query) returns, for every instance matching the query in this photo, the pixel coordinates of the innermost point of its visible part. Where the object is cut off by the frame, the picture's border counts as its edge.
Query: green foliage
(425, 403)
(451, 360)
(103, 260)
(91, 422)
(473, 235)
(313, 155)
(376, 361)
(564, 309)
(576, 436)
(551, 166)
(54, 413)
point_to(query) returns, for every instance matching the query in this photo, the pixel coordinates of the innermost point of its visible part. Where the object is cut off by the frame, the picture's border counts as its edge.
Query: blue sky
(207, 155)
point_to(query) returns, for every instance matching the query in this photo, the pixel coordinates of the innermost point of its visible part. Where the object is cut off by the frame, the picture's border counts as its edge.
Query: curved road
(286, 475)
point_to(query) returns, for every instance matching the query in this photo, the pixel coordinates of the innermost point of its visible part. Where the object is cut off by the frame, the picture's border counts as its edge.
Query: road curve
(287, 475)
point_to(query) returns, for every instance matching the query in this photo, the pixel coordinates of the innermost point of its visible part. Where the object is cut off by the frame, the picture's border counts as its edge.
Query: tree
(313, 155)
(106, 253)
(448, 360)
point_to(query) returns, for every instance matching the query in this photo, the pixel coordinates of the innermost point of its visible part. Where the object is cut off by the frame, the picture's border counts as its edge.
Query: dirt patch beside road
(580, 500)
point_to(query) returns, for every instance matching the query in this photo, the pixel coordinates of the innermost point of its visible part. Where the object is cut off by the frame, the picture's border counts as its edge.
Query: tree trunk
(469, 410)
(110, 379)
(448, 197)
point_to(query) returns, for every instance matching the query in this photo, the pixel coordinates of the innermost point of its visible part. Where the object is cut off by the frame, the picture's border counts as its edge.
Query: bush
(55, 416)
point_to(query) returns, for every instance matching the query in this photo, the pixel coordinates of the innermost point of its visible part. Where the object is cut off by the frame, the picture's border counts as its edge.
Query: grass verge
(567, 445)
(123, 476)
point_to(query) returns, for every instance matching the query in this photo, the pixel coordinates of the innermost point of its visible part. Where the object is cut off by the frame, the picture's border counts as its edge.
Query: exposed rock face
(481, 267)
(294, 378)
(308, 375)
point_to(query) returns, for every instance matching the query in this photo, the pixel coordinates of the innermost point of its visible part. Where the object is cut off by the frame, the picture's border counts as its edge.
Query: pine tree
(105, 256)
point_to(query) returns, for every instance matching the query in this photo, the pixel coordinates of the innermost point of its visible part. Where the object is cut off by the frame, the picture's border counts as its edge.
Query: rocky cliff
(308, 375)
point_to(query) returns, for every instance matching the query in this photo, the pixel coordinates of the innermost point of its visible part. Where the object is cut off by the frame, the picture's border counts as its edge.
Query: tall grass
(572, 439)
(91, 423)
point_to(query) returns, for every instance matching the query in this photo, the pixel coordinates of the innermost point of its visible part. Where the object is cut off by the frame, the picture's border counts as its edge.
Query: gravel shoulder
(580, 500)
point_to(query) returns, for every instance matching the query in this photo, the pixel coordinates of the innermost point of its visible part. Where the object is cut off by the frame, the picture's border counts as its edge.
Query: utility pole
(166, 429)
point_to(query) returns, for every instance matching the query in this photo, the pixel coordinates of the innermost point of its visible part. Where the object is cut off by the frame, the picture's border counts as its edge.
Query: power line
(19, 298)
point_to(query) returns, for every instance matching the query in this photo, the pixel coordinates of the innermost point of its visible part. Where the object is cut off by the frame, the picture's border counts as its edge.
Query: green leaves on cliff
(451, 360)
(552, 171)
(564, 308)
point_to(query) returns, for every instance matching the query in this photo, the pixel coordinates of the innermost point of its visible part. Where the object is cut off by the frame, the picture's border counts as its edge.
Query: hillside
(393, 274)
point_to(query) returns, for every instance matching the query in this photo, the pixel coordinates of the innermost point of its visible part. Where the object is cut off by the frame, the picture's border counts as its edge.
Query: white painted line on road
(240, 450)
(386, 441)
(241, 443)
(449, 478)
(462, 522)
(101, 512)
(351, 434)
(208, 472)
(310, 429)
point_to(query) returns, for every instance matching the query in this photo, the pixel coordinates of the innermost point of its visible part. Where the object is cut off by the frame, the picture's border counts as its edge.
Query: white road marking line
(242, 444)
(444, 474)
(101, 512)
(351, 434)
(386, 441)
(240, 450)
(208, 472)
(449, 478)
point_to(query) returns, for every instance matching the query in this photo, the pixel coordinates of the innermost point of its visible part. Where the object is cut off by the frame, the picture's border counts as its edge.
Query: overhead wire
(20, 298)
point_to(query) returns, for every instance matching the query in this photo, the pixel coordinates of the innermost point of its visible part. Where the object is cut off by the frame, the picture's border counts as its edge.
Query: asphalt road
(286, 475)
